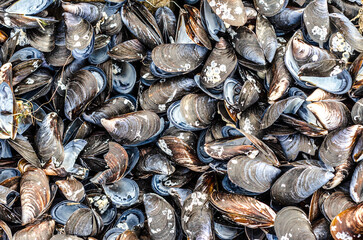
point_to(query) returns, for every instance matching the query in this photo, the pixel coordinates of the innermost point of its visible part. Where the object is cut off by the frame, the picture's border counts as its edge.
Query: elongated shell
(292, 223)
(32, 205)
(117, 160)
(161, 94)
(356, 184)
(182, 58)
(281, 79)
(349, 31)
(243, 210)
(196, 216)
(295, 143)
(254, 175)
(348, 224)
(270, 8)
(39, 231)
(231, 12)
(316, 20)
(132, 128)
(331, 114)
(153, 161)
(129, 51)
(49, 139)
(79, 32)
(181, 152)
(219, 65)
(161, 217)
(84, 222)
(335, 203)
(266, 36)
(298, 184)
(81, 89)
(110, 108)
(72, 189)
(88, 11)
(338, 145)
(141, 23)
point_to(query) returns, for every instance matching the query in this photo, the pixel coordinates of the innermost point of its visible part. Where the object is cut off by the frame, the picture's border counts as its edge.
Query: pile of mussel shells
(185, 119)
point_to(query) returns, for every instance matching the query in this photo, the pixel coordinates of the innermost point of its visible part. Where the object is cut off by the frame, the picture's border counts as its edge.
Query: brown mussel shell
(84, 222)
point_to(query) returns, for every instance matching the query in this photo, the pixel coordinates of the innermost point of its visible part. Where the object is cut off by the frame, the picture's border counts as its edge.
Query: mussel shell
(22, 146)
(357, 112)
(141, 23)
(33, 206)
(295, 143)
(61, 211)
(254, 175)
(196, 216)
(243, 210)
(49, 140)
(231, 12)
(116, 160)
(271, 8)
(316, 21)
(129, 51)
(166, 21)
(111, 24)
(123, 193)
(287, 220)
(356, 184)
(72, 189)
(338, 145)
(266, 36)
(336, 203)
(88, 11)
(111, 108)
(84, 222)
(178, 58)
(79, 33)
(161, 217)
(298, 184)
(42, 230)
(349, 31)
(155, 162)
(329, 75)
(219, 65)
(80, 91)
(123, 77)
(143, 125)
(130, 219)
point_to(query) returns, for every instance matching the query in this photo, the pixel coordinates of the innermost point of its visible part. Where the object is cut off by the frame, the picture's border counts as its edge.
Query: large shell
(271, 7)
(295, 143)
(111, 108)
(182, 150)
(292, 223)
(231, 12)
(161, 94)
(129, 51)
(331, 114)
(161, 217)
(219, 65)
(133, 128)
(281, 79)
(166, 21)
(288, 105)
(348, 224)
(243, 210)
(28, 7)
(39, 231)
(79, 33)
(246, 44)
(298, 184)
(336, 203)
(72, 189)
(198, 110)
(227, 148)
(196, 216)
(49, 139)
(117, 160)
(349, 31)
(81, 90)
(152, 160)
(356, 184)
(178, 58)
(266, 36)
(254, 175)
(33, 205)
(338, 145)
(141, 23)
(84, 222)
(316, 20)
(329, 75)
